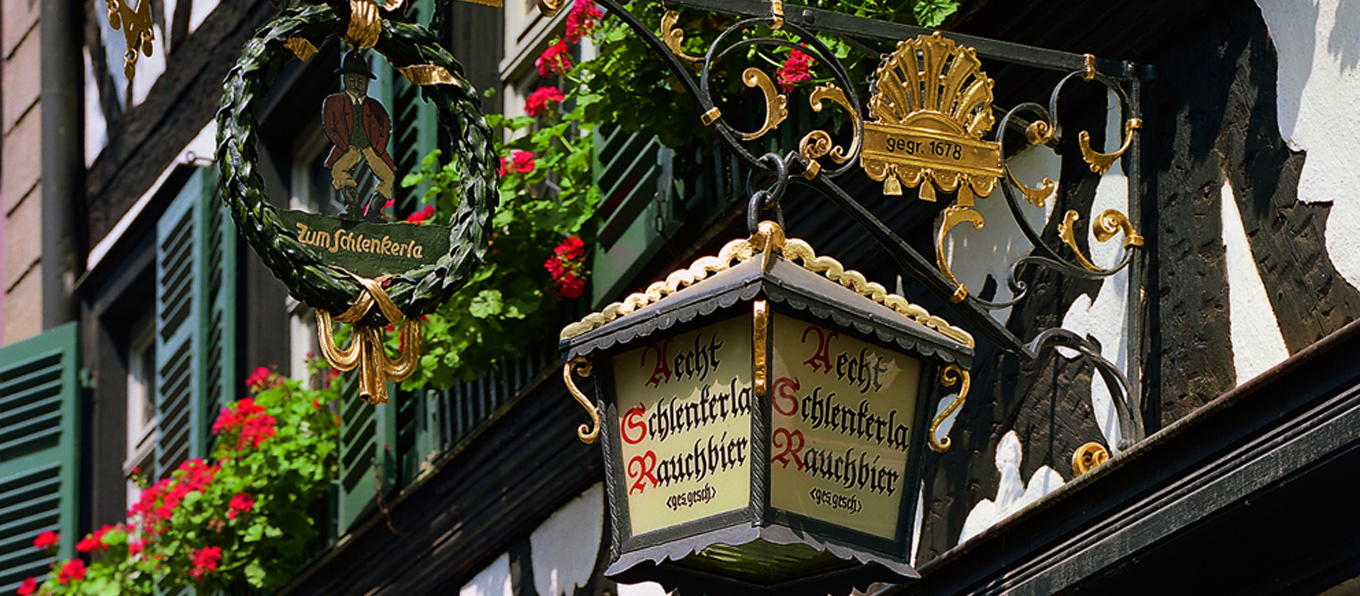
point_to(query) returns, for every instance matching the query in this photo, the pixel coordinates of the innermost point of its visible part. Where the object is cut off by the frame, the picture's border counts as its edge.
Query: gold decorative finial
(137, 31)
(1087, 457)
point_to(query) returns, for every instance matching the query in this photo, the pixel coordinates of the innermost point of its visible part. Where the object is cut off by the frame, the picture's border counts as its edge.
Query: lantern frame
(764, 282)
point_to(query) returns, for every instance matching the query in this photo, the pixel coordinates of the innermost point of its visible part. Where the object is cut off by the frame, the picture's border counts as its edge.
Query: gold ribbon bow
(366, 349)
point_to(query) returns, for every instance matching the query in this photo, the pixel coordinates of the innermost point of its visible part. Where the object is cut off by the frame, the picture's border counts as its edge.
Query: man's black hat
(354, 64)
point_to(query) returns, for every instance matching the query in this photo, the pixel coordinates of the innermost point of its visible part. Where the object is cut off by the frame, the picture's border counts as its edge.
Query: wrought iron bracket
(818, 162)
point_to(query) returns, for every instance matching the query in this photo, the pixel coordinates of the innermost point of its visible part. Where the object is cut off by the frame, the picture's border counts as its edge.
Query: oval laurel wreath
(417, 291)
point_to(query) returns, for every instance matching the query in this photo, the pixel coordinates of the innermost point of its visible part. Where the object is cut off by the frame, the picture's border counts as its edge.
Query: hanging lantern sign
(765, 416)
(356, 266)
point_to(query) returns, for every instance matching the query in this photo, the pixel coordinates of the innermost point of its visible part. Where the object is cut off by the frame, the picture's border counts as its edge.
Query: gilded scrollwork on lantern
(930, 108)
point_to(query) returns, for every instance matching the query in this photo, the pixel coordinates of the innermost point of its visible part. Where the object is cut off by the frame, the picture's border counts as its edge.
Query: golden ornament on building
(930, 108)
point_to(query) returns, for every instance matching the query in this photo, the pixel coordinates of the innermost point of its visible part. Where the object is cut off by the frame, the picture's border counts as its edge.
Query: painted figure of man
(359, 127)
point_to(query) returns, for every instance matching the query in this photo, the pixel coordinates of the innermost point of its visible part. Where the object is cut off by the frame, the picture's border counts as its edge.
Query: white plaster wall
(200, 12)
(565, 547)
(1104, 318)
(96, 128)
(1012, 493)
(1318, 88)
(492, 581)
(642, 589)
(1256, 340)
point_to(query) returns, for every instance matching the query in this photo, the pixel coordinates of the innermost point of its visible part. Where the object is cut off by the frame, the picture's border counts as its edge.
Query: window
(141, 404)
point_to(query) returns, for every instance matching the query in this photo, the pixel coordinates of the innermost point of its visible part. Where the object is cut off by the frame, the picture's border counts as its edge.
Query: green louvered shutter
(367, 434)
(218, 325)
(195, 321)
(415, 122)
(632, 171)
(39, 448)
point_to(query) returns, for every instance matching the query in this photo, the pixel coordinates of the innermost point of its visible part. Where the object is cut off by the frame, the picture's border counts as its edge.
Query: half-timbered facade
(130, 311)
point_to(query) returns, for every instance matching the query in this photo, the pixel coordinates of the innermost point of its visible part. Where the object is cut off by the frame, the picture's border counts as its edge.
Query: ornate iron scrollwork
(926, 127)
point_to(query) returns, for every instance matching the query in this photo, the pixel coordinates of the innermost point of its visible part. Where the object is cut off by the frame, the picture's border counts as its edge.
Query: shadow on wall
(1344, 42)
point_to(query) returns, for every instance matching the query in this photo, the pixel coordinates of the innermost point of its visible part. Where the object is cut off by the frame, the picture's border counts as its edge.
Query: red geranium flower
(46, 540)
(136, 546)
(519, 162)
(421, 216)
(241, 503)
(27, 587)
(795, 70)
(72, 570)
(205, 560)
(566, 267)
(556, 60)
(263, 378)
(541, 100)
(582, 19)
(249, 420)
(93, 541)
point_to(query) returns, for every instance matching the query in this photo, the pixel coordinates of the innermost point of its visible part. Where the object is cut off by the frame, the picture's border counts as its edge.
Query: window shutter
(367, 455)
(415, 122)
(632, 171)
(195, 320)
(221, 377)
(39, 449)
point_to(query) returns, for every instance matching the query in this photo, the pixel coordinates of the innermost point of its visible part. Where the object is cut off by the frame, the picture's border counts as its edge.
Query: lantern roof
(785, 271)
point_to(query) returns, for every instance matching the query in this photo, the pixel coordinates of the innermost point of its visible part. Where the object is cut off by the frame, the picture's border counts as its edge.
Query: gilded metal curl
(1038, 133)
(1035, 196)
(954, 216)
(776, 104)
(1111, 222)
(1105, 226)
(587, 434)
(1101, 162)
(674, 36)
(1087, 457)
(949, 376)
(1067, 232)
(838, 154)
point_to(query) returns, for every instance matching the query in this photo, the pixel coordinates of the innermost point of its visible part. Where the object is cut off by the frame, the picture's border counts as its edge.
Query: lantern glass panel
(685, 425)
(843, 413)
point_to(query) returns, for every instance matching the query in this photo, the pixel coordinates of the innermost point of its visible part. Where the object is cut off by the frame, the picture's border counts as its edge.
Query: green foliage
(627, 74)
(245, 517)
(511, 300)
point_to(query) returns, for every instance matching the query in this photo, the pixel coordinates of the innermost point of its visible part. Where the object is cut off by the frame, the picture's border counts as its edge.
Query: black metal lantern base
(754, 561)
